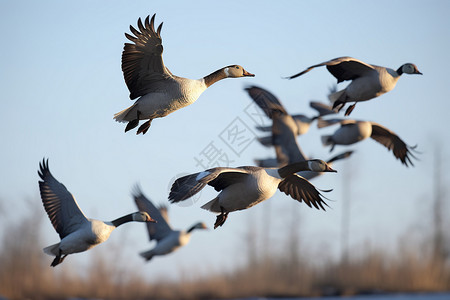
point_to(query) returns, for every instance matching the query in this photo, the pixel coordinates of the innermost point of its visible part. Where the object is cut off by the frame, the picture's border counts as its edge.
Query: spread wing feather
(60, 205)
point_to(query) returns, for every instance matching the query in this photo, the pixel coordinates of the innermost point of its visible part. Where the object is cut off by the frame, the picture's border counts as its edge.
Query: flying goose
(269, 103)
(243, 187)
(287, 149)
(77, 232)
(160, 92)
(367, 81)
(168, 240)
(353, 131)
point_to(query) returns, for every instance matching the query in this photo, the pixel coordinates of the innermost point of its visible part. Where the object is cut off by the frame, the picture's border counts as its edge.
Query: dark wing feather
(285, 140)
(393, 142)
(142, 62)
(185, 187)
(343, 68)
(226, 179)
(219, 178)
(157, 231)
(265, 100)
(61, 207)
(301, 189)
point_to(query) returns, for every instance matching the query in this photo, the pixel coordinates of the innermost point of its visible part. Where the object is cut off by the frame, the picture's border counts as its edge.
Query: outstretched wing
(285, 140)
(187, 186)
(393, 142)
(265, 100)
(301, 189)
(157, 231)
(61, 207)
(142, 62)
(343, 68)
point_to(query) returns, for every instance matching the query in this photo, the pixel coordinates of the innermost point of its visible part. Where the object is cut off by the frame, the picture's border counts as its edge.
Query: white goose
(353, 131)
(243, 187)
(367, 81)
(160, 92)
(269, 103)
(168, 239)
(77, 232)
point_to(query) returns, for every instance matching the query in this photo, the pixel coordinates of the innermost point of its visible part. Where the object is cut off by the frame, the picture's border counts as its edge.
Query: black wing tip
(43, 168)
(136, 191)
(406, 160)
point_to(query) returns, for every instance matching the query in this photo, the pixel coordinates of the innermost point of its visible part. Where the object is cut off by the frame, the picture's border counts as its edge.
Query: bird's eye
(237, 67)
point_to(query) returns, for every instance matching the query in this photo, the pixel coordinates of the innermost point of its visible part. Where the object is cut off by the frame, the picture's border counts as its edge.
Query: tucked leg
(133, 123)
(58, 259)
(144, 127)
(338, 105)
(350, 109)
(220, 220)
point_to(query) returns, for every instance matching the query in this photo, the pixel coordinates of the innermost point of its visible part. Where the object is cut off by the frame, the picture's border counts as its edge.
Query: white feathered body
(349, 134)
(368, 86)
(170, 243)
(89, 235)
(157, 104)
(259, 186)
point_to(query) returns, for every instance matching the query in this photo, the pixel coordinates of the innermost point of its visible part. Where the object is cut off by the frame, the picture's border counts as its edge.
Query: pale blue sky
(61, 83)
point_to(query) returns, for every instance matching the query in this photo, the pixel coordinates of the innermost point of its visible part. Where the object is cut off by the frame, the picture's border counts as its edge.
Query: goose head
(410, 68)
(236, 71)
(142, 216)
(318, 165)
(199, 225)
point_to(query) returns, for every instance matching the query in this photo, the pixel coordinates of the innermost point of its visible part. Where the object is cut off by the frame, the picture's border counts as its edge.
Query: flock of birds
(159, 93)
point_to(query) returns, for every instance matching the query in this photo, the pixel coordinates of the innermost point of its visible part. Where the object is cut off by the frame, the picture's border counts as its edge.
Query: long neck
(400, 71)
(122, 220)
(293, 168)
(214, 77)
(191, 228)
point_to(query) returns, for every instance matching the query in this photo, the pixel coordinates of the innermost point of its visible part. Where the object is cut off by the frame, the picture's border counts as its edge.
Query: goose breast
(352, 133)
(258, 187)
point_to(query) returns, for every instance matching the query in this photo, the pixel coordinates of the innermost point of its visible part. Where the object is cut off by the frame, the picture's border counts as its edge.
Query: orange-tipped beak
(331, 170)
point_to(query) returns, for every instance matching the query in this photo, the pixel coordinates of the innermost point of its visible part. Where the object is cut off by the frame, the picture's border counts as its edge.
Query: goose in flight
(159, 92)
(367, 81)
(287, 149)
(168, 240)
(353, 131)
(243, 187)
(299, 124)
(77, 232)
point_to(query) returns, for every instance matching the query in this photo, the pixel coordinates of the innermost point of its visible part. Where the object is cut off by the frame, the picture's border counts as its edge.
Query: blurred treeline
(295, 271)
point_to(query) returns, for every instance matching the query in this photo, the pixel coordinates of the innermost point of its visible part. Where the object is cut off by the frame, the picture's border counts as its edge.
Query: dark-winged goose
(159, 91)
(77, 232)
(353, 131)
(168, 240)
(367, 81)
(243, 187)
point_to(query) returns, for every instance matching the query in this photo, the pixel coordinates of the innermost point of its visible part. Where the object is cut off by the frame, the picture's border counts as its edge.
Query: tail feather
(266, 141)
(264, 128)
(122, 116)
(212, 205)
(52, 250)
(326, 140)
(333, 97)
